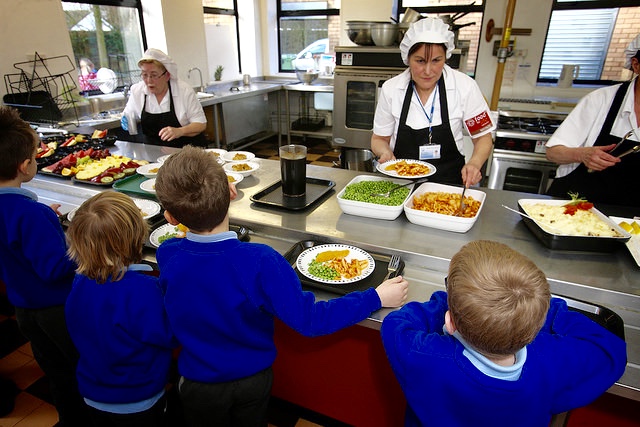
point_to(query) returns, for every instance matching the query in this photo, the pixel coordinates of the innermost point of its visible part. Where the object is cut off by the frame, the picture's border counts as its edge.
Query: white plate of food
(149, 185)
(406, 168)
(163, 159)
(243, 168)
(335, 264)
(234, 177)
(632, 226)
(218, 152)
(167, 231)
(238, 156)
(149, 170)
(148, 209)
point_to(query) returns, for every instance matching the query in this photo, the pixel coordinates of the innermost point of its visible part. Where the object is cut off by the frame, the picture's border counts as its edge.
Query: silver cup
(246, 80)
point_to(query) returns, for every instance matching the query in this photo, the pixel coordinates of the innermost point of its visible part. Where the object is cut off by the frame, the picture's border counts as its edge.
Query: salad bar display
(84, 158)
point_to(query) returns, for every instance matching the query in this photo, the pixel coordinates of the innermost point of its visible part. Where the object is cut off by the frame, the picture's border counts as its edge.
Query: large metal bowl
(359, 32)
(307, 77)
(384, 34)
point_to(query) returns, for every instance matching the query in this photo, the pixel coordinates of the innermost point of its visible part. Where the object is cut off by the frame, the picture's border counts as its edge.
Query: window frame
(582, 5)
(297, 13)
(136, 4)
(208, 10)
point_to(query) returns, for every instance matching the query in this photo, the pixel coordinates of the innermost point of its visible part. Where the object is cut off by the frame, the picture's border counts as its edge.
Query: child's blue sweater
(570, 363)
(33, 261)
(122, 334)
(222, 296)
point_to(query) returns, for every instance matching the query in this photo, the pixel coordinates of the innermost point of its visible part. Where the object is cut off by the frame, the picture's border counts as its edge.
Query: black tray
(603, 316)
(572, 243)
(272, 195)
(371, 281)
(242, 232)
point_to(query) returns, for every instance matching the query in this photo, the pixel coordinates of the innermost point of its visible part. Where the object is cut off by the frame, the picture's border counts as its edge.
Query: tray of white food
(585, 230)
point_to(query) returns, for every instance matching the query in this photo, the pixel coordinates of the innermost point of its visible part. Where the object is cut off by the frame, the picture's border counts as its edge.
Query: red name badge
(479, 123)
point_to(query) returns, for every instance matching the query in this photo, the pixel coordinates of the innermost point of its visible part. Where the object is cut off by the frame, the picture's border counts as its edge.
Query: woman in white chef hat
(424, 112)
(586, 144)
(167, 108)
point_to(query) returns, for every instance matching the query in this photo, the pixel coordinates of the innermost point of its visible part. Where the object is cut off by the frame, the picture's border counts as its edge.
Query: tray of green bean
(356, 198)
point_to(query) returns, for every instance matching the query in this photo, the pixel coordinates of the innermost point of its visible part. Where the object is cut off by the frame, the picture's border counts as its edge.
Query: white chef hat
(427, 30)
(631, 51)
(164, 59)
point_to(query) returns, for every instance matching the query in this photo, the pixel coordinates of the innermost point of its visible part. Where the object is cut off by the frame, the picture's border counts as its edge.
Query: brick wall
(626, 29)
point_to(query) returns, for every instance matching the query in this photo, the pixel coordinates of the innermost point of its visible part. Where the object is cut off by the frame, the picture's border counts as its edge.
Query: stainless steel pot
(357, 160)
(384, 33)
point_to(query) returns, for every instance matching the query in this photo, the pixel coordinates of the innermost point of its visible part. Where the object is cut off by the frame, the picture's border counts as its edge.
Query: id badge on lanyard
(429, 151)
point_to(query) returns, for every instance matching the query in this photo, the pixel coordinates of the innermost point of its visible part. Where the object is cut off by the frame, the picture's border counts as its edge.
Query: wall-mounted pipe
(502, 54)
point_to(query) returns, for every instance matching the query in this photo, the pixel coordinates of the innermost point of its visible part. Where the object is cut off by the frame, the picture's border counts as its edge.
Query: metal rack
(43, 90)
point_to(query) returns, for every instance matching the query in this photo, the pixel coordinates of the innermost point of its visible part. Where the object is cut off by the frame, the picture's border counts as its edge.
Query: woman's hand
(170, 133)
(380, 145)
(393, 292)
(598, 158)
(471, 175)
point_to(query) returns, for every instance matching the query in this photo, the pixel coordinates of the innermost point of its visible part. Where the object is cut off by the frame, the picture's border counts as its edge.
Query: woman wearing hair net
(168, 110)
(423, 112)
(586, 144)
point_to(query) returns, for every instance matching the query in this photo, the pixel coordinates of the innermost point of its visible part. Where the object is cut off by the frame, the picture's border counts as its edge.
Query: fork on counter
(394, 263)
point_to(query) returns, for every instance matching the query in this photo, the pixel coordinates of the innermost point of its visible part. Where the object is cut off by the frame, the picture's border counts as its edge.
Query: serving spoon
(399, 186)
(534, 220)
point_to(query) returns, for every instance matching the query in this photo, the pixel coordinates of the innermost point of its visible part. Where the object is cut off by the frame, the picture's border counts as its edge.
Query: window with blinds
(578, 39)
(592, 34)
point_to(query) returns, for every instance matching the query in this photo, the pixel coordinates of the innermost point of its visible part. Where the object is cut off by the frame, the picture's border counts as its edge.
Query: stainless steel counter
(611, 280)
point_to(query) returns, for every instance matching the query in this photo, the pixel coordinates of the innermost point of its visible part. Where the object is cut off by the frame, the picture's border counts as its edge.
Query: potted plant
(218, 73)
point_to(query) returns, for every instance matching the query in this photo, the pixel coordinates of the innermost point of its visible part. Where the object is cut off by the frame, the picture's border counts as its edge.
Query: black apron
(408, 140)
(614, 185)
(151, 125)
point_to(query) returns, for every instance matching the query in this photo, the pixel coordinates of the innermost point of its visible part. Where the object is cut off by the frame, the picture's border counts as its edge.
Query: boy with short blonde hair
(496, 349)
(222, 296)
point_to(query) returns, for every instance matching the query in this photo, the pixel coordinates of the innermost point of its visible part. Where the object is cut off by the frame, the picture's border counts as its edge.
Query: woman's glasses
(152, 76)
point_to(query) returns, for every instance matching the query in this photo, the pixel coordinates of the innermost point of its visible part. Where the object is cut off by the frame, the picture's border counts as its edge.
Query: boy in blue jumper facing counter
(222, 296)
(496, 349)
(116, 316)
(35, 268)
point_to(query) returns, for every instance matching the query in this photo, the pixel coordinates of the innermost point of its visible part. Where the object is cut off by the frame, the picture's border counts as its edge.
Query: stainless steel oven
(359, 74)
(518, 160)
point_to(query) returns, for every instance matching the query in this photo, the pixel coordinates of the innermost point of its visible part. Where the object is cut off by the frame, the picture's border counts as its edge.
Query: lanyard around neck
(433, 104)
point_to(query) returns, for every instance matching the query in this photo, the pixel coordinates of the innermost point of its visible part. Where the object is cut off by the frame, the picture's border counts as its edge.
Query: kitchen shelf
(304, 91)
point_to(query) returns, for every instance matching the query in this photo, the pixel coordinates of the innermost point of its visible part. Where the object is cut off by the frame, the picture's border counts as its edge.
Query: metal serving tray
(573, 243)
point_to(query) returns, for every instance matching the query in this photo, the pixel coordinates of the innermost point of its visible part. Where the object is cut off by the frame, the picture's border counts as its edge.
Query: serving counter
(608, 279)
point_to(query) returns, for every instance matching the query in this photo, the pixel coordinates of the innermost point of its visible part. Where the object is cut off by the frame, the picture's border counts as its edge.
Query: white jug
(568, 74)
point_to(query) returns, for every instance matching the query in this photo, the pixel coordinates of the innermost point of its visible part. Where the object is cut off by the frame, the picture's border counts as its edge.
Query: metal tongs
(629, 151)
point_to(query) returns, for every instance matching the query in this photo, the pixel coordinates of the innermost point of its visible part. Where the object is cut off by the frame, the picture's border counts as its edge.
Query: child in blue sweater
(222, 296)
(35, 268)
(496, 350)
(116, 316)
